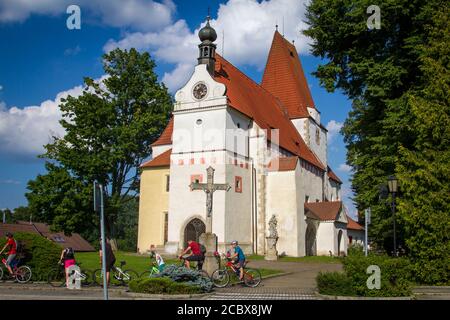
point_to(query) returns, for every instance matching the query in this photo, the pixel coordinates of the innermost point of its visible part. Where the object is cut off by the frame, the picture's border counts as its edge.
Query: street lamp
(393, 189)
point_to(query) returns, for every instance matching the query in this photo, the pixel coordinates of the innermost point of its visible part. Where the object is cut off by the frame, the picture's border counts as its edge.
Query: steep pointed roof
(249, 98)
(285, 79)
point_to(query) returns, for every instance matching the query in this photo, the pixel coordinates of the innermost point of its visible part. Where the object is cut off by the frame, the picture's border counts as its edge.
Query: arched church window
(205, 52)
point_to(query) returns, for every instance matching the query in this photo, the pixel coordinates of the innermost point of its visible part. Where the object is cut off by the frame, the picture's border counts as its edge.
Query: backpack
(202, 249)
(19, 247)
(69, 253)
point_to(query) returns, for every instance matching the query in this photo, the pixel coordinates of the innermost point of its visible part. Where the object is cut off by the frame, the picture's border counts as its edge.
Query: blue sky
(42, 60)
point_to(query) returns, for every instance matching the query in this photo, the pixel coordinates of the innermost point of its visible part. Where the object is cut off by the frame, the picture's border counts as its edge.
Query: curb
(165, 296)
(327, 297)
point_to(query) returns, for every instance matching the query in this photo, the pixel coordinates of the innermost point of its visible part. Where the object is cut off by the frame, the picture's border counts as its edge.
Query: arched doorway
(310, 240)
(339, 242)
(193, 230)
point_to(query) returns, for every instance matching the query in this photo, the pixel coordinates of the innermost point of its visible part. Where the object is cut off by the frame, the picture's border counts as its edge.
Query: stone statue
(272, 239)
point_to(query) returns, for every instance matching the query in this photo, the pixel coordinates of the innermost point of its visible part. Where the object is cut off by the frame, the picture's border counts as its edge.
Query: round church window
(199, 122)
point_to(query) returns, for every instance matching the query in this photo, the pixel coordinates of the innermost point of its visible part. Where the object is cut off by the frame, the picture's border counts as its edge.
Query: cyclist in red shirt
(11, 243)
(195, 254)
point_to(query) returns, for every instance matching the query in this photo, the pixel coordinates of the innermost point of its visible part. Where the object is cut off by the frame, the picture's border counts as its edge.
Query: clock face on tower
(199, 91)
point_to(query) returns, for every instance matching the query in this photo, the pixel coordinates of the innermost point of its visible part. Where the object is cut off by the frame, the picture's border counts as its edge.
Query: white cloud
(136, 14)
(9, 181)
(24, 131)
(333, 128)
(248, 25)
(344, 168)
(72, 51)
(1, 87)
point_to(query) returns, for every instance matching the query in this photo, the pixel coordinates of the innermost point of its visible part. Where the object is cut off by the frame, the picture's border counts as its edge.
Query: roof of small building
(353, 225)
(77, 242)
(284, 78)
(324, 211)
(283, 164)
(162, 160)
(333, 176)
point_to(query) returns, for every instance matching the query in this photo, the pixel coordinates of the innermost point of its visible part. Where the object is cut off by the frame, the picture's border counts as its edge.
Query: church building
(265, 140)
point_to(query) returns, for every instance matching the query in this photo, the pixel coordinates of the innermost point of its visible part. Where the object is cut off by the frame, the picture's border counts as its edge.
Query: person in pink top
(68, 258)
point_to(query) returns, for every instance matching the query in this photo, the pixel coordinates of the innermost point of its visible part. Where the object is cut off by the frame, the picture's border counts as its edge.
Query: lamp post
(393, 188)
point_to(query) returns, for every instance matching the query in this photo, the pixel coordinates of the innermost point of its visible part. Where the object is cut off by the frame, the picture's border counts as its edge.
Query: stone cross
(209, 188)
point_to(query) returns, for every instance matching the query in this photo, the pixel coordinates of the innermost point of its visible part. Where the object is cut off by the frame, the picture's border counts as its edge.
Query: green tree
(108, 132)
(389, 73)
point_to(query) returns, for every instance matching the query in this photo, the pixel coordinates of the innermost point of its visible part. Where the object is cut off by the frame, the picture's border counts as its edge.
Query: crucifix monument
(209, 239)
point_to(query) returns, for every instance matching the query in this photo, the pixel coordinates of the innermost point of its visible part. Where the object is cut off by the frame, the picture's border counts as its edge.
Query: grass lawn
(138, 263)
(308, 259)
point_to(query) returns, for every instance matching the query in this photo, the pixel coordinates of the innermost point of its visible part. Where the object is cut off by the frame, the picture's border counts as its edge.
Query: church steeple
(207, 49)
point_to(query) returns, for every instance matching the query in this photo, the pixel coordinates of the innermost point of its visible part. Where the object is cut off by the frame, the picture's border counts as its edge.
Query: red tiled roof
(353, 225)
(166, 135)
(251, 99)
(75, 240)
(162, 160)
(284, 164)
(333, 176)
(324, 211)
(285, 79)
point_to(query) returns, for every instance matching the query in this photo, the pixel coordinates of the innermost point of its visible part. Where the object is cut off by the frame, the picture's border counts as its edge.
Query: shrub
(162, 286)
(188, 276)
(39, 253)
(335, 284)
(395, 276)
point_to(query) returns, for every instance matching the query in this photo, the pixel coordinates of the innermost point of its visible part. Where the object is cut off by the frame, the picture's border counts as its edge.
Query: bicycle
(20, 273)
(221, 277)
(148, 273)
(56, 277)
(202, 272)
(117, 275)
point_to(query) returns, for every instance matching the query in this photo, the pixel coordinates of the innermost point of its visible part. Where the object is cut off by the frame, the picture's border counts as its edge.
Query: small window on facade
(238, 125)
(238, 184)
(166, 227)
(167, 183)
(306, 198)
(317, 136)
(199, 122)
(196, 178)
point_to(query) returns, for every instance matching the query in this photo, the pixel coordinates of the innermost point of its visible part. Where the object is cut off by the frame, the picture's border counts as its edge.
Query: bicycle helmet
(234, 242)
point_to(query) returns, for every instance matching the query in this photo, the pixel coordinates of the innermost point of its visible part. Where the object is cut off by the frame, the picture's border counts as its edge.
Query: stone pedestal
(209, 240)
(272, 253)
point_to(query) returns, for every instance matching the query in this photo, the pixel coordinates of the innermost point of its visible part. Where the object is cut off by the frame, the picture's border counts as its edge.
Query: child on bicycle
(12, 244)
(68, 259)
(158, 258)
(240, 258)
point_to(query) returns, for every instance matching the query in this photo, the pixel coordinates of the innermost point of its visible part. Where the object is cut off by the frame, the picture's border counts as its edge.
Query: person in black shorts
(194, 254)
(110, 258)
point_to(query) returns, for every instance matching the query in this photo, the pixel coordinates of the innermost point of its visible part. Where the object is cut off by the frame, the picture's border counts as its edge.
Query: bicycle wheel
(56, 278)
(97, 277)
(220, 278)
(129, 275)
(252, 277)
(86, 278)
(23, 274)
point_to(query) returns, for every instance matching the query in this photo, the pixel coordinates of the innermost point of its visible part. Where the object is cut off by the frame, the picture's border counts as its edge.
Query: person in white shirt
(158, 258)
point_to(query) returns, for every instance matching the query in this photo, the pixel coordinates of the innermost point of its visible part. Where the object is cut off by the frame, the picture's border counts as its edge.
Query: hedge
(395, 277)
(39, 253)
(162, 286)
